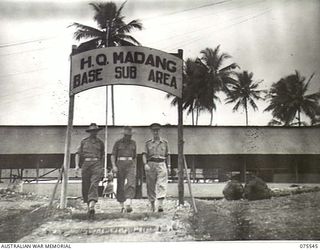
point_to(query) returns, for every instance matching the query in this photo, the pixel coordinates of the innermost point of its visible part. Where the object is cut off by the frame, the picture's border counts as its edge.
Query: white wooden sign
(127, 65)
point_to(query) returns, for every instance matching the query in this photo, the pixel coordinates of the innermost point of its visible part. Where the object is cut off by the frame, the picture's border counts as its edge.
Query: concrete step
(106, 230)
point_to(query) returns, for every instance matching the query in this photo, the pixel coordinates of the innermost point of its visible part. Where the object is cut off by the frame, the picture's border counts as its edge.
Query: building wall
(277, 154)
(200, 140)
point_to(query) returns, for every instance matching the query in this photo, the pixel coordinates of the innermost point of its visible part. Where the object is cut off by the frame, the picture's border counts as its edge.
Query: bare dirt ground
(293, 217)
(25, 218)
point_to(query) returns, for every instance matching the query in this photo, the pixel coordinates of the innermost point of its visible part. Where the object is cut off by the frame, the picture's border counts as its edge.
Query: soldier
(124, 162)
(90, 157)
(156, 160)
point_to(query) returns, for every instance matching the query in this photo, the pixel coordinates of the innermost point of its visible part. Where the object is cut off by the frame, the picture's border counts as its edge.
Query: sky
(271, 38)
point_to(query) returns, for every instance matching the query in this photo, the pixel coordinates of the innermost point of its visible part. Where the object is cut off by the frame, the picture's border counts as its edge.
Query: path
(112, 226)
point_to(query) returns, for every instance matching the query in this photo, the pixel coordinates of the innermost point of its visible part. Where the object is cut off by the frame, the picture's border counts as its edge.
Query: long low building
(276, 154)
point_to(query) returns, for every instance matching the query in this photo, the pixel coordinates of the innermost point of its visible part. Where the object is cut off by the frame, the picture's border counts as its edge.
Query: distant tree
(275, 122)
(244, 92)
(197, 95)
(218, 76)
(316, 120)
(203, 78)
(288, 99)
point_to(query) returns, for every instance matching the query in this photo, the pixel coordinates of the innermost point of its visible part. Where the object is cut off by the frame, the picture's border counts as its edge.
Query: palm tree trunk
(192, 116)
(299, 118)
(246, 109)
(197, 117)
(112, 90)
(211, 117)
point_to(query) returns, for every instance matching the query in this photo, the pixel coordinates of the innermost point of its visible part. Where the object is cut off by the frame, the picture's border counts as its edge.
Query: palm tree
(112, 30)
(198, 94)
(218, 76)
(203, 78)
(275, 122)
(316, 120)
(288, 99)
(244, 92)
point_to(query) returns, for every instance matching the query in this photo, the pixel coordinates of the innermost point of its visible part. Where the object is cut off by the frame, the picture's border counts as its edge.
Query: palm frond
(236, 107)
(123, 38)
(84, 31)
(134, 24)
(230, 67)
(253, 105)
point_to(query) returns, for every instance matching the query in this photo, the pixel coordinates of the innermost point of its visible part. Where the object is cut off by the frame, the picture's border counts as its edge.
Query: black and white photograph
(171, 122)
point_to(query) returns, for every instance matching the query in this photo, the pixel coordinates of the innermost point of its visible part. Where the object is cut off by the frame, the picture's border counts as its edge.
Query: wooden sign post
(180, 146)
(66, 160)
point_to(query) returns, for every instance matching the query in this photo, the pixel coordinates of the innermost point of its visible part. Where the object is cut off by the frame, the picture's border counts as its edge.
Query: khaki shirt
(91, 148)
(123, 148)
(157, 149)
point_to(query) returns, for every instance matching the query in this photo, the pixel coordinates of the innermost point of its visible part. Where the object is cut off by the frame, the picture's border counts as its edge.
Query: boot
(160, 206)
(128, 203)
(153, 208)
(91, 211)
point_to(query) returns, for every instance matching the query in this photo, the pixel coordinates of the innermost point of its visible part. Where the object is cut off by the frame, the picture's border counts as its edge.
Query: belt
(156, 160)
(125, 158)
(91, 159)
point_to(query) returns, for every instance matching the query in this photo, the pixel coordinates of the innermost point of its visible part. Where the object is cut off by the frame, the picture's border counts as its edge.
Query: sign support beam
(66, 160)
(180, 146)
(106, 138)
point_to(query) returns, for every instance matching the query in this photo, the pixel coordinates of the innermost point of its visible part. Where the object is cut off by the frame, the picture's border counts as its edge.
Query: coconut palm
(316, 120)
(112, 30)
(204, 77)
(218, 75)
(198, 94)
(288, 99)
(275, 122)
(244, 92)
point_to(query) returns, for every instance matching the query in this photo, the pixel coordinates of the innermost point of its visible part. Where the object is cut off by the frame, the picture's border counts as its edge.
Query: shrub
(233, 190)
(256, 189)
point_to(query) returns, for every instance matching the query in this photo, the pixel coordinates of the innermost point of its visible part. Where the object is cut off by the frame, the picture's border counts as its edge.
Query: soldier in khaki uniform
(90, 158)
(156, 159)
(124, 162)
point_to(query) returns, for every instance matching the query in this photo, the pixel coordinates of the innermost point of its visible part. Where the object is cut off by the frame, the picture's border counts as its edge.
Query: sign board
(128, 65)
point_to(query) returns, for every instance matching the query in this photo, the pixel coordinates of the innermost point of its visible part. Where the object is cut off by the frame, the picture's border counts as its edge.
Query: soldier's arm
(114, 157)
(77, 160)
(135, 153)
(77, 156)
(102, 153)
(144, 155)
(144, 158)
